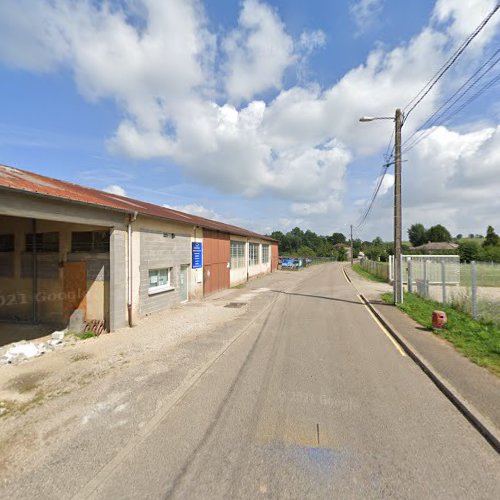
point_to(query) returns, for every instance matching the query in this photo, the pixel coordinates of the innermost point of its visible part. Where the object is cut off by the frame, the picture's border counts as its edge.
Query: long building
(65, 247)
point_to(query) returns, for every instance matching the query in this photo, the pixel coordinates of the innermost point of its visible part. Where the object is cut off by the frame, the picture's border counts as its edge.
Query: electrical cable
(447, 65)
(462, 91)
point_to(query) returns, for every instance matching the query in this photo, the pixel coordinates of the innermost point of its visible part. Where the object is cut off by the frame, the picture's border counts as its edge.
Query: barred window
(45, 242)
(90, 241)
(265, 254)
(6, 242)
(253, 254)
(237, 254)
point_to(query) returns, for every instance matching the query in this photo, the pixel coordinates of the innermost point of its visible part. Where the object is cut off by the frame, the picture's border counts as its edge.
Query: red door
(215, 261)
(274, 256)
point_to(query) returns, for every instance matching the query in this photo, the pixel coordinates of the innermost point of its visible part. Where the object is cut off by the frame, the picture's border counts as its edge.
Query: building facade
(65, 247)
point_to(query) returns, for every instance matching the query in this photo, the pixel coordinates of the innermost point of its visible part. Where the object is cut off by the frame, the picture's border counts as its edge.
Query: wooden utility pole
(352, 253)
(397, 284)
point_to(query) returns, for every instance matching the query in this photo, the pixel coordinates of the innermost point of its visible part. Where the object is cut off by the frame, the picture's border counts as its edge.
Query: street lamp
(398, 282)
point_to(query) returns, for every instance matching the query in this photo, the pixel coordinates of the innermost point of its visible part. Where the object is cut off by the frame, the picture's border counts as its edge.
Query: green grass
(486, 274)
(367, 274)
(480, 342)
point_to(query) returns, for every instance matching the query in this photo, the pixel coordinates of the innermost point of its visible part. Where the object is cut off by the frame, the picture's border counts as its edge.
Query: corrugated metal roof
(30, 182)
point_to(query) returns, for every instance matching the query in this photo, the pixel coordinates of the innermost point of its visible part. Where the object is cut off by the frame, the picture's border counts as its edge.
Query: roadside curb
(486, 428)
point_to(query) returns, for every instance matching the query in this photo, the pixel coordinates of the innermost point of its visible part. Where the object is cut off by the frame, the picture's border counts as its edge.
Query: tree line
(300, 243)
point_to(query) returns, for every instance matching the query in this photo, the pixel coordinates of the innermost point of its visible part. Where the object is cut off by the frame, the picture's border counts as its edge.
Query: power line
(447, 106)
(447, 65)
(374, 196)
(480, 92)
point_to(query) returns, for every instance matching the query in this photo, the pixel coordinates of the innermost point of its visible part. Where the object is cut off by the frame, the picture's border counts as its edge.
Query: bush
(468, 251)
(490, 254)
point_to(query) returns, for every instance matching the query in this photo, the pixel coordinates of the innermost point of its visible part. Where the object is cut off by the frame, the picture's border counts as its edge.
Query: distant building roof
(438, 245)
(30, 182)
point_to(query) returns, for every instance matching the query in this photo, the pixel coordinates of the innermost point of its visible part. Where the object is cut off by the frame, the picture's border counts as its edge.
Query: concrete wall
(16, 286)
(157, 250)
(260, 268)
(243, 274)
(240, 275)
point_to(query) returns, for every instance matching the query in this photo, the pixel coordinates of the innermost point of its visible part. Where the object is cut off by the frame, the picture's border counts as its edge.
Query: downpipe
(132, 218)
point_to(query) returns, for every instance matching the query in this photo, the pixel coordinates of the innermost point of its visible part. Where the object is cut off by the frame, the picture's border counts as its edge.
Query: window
(90, 241)
(45, 242)
(253, 254)
(6, 242)
(265, 254)
(237, 254)
(159, 280)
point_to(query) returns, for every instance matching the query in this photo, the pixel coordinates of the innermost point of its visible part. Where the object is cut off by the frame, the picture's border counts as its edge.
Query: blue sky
(247, 111)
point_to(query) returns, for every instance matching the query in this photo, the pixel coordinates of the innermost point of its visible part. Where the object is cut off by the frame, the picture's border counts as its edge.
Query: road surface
(311, 400)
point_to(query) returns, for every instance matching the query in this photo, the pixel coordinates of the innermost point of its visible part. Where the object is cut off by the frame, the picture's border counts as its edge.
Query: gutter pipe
(132, 218)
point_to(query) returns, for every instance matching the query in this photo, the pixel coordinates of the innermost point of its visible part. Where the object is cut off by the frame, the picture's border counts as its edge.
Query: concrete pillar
(118, 279)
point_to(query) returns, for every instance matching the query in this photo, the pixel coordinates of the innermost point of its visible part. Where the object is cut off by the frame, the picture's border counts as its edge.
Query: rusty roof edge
(237, 230)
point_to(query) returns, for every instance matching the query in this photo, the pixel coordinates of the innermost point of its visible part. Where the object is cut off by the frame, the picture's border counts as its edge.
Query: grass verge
(478, 341)
(367, 274)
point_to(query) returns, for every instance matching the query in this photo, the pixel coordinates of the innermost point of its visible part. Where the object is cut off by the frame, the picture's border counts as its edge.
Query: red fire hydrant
(439, 320)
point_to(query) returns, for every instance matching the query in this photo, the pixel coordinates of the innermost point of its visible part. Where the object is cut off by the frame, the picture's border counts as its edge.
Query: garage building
(65, 247)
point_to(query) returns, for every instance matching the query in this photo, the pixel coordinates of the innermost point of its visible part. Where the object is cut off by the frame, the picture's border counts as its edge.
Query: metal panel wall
(216, 272)
(274, 257)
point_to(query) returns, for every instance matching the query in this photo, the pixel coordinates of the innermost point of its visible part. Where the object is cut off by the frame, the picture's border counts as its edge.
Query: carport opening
(49, 269)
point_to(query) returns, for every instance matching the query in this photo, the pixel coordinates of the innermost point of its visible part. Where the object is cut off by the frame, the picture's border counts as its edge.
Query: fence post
(426, 280)
(391, 260)
(474, 288)
(410, 275)
(443, 280)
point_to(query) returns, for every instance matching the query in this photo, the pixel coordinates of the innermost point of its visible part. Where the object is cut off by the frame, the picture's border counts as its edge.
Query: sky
(248, 111)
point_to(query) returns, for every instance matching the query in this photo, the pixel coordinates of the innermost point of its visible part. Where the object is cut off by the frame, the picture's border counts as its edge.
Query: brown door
(215, 261)
(75, 288)
(274, 257)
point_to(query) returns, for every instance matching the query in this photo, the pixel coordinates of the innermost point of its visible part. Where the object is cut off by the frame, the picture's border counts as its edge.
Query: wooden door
(75, 288)
(216, 273)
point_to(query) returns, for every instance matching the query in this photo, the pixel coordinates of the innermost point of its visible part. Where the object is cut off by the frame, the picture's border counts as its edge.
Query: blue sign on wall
(197, 255)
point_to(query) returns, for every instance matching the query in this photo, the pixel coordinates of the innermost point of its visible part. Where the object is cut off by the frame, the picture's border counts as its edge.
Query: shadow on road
(319, 297)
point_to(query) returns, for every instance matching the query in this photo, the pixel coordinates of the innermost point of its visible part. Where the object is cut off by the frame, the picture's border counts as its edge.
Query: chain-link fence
(380, 269)
(476, 290)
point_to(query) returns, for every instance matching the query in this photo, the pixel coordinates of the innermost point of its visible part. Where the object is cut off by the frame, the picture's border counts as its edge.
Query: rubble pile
(21, 351)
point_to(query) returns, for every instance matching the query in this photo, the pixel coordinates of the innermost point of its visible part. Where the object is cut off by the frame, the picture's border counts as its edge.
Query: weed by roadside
(81, 356)
(366, 274)
(478, 341)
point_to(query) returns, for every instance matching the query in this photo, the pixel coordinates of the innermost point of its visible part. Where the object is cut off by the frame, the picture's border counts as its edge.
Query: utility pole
(397, 284)
(352, 253)
(397, 281)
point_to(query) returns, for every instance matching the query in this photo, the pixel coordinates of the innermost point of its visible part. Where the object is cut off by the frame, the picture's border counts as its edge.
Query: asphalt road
(312, 400)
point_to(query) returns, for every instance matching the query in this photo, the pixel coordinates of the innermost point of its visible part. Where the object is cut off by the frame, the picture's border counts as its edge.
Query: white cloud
(365, 13)
(196, 209)
(158, 63)
(258, 52)
(464, 16)
(115, 189)
(451, 178)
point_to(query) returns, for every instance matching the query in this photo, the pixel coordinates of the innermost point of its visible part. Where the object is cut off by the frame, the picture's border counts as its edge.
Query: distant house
(438, 246)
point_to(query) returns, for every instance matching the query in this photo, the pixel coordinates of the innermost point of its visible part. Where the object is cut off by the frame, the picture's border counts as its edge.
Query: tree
(337, 238)
(468, 250)
(492, 239)
(341, 254)
(459, 236)
(305, 251)
(417, 234)
(438, 233)
(378, 241)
